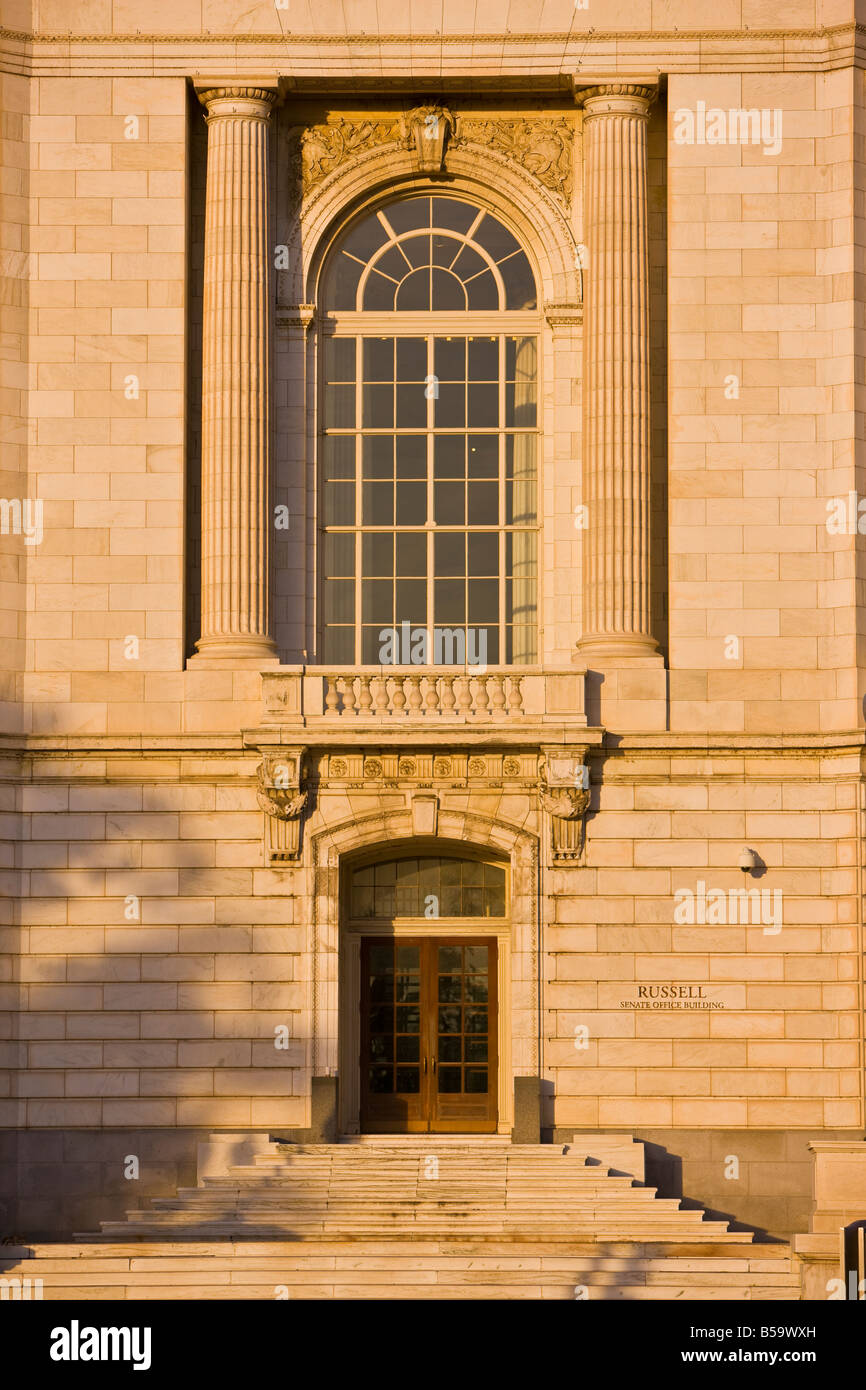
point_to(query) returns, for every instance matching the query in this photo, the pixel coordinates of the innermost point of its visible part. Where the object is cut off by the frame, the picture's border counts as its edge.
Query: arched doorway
(425, 967)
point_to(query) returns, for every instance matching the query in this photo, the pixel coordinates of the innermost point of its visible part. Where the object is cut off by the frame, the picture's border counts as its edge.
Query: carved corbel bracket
(427, 130)
(280, 796)
(563, 792)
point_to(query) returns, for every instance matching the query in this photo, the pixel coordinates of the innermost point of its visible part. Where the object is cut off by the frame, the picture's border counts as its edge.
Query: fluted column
(236, 367)
(616, 385)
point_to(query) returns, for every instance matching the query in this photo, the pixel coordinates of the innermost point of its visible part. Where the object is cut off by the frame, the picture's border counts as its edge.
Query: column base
(236, 651)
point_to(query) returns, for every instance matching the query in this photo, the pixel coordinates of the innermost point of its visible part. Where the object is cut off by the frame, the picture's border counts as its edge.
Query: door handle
(434, 1066)
(425, 1066)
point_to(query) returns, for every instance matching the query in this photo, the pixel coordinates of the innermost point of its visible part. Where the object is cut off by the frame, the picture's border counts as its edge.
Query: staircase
(427, 1217)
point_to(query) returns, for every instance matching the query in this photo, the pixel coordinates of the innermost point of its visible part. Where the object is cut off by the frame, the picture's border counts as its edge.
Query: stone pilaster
(236, 368)
(616, 388)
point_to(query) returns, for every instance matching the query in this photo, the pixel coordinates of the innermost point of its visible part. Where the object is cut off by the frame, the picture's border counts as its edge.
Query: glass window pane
(377, 507)
(475, 1081)
(449, 601)
(378, 359)
(449, 550)
(339, 407)
(414, 292)
(475, 1021)
(476, 956)
(379, 292)
(411, 507)
(447, 292)
(339, 359)
(519, 282)
(408, 1020)
(445, 249)
(483, 457)
(338, 649)
(449, 359)
(482, 504)
(449, 1080)
(377, 553)
(449, 456)
(408, 1050)
(483, 554)
(449, 1021)
(448, 212)
(449, 989)
(381, 1080)
(449, 504)
(341, 289)
(339, 504)
(408, 1081)
(339, 600)
(411, 456)
(449, 1050)
(408, 214)
(411, 359)
(411, 406)
(377, 407)
(411, 555)
(483, 291)
(483, 411)
(483, 359)
(475, 1049)
(491, 234)
(339, 554)
(450, 958)
(365, 237)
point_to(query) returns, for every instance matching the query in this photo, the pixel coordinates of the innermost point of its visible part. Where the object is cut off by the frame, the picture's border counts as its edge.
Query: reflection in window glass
(457, 888)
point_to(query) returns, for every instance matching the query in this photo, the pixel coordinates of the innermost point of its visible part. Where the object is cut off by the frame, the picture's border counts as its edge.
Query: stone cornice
(576, 37)
(318, 61)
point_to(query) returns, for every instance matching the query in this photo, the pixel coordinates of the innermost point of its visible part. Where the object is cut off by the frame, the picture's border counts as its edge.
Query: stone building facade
(647, 805)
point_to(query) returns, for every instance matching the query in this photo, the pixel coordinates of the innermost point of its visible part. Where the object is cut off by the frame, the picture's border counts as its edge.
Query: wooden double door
(428, 1035)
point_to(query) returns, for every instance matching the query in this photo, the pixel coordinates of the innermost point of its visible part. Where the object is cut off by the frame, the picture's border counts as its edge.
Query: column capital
(616, 99)
(255, 101)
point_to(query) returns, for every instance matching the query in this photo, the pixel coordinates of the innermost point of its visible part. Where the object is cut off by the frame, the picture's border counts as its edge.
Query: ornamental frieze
(542, 147)
(318, 150)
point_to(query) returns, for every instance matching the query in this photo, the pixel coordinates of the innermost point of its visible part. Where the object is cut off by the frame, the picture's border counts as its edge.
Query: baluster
(366, 696)
(515, 695)
(381, 695)
(498, 683)
(431, 699)
(448, 699)
(464, 697)
(398, 698)
(482, 699)
(348, 694)
(332, 694)
(415, 701)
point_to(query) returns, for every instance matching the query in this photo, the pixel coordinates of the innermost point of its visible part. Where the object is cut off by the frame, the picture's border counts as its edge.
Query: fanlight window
(429, 254)
(409, 887)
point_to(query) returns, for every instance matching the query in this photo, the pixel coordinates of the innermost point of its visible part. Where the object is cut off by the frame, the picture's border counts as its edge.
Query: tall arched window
(429, 442)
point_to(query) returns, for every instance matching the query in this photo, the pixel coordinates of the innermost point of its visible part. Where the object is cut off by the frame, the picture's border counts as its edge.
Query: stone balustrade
(406, 695)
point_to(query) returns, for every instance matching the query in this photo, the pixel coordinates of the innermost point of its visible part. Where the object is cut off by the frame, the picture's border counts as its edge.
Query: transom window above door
(432, 887)
(429, 447)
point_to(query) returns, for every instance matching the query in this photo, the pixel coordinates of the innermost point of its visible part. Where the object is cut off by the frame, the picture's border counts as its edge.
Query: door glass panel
(456, 984)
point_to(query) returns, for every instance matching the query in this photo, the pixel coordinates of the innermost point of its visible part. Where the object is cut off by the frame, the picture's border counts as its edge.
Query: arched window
(429, 443)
